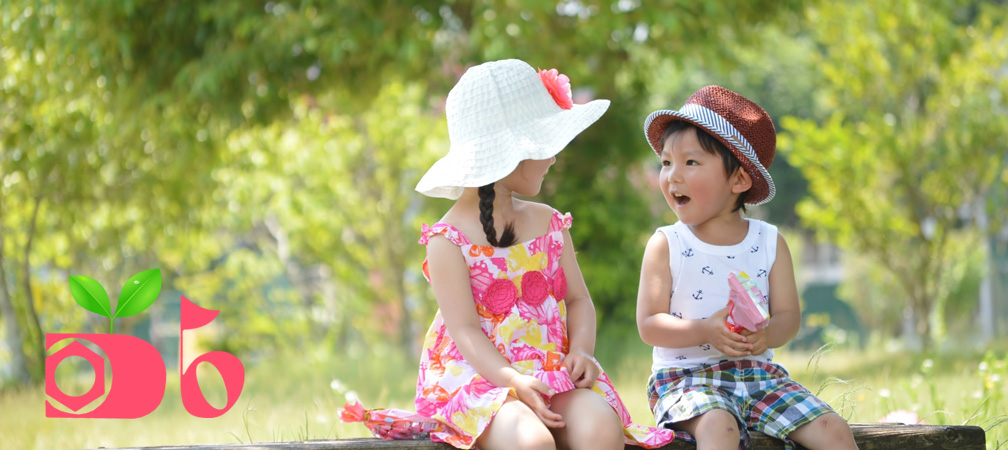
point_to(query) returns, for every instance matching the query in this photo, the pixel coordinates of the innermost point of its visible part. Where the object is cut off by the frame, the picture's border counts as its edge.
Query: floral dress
(519, 293)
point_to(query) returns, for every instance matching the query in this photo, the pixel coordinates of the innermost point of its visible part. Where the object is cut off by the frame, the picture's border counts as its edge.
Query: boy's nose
(672, 174)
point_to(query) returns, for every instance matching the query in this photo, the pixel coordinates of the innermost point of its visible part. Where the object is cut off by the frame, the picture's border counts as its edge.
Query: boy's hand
(534, 393)
(757, 340)
(723, 339)
(582, 368)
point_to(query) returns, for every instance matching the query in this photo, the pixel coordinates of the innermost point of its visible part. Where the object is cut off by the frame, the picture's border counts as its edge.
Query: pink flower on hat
(558, 86)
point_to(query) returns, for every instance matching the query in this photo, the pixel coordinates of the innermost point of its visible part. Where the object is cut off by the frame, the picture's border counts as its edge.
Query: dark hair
(711, 145)
(508, 238)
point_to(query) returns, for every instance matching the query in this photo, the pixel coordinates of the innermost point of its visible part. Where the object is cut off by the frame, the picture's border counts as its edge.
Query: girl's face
(527, 178)
(694, 183)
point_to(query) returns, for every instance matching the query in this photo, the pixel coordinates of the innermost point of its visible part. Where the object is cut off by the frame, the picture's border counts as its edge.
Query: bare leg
(516, 426)
(591, 422)
(714, 429)
(826, 431)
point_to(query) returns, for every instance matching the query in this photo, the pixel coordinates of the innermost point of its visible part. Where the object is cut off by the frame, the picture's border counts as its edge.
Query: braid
(486, 196)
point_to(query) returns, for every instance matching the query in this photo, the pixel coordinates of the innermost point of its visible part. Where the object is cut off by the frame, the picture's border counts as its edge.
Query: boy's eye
(666, 163)
(691, 162)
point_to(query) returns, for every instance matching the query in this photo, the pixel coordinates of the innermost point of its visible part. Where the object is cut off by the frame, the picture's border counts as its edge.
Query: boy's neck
(722, 231)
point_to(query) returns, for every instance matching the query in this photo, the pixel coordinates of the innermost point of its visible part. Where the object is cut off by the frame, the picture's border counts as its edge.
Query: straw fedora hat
(739, 123)
(499, 114)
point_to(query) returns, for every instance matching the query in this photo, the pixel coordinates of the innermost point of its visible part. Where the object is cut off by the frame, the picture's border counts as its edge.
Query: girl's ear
(741, 181)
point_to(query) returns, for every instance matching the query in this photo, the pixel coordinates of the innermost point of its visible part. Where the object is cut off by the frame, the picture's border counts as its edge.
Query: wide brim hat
(499, 114)
(739, 123)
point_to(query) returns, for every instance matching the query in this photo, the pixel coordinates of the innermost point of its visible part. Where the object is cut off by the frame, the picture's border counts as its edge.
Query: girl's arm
(785, 309)
(659, 328)
(450, 281)
(580, 320)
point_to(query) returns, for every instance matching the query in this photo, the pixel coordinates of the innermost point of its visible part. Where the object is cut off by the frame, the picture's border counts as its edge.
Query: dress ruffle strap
(450, 232)
(560, 221)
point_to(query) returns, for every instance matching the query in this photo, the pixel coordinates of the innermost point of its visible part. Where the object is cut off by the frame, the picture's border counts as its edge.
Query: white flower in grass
(336, 385)
(983, 366)
(885, 393)
(927, 364)
(351, 396)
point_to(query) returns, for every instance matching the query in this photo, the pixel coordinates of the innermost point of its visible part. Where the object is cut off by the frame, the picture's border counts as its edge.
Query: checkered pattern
(760, 395)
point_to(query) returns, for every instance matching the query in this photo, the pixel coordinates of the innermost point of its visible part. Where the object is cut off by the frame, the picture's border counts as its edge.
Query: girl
(507, 362)
(706, 379)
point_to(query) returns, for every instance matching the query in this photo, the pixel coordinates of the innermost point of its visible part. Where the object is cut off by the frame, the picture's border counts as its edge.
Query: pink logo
(137, 369)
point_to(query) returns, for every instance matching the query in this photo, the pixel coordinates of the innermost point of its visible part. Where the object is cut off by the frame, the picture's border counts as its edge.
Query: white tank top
(700, 283)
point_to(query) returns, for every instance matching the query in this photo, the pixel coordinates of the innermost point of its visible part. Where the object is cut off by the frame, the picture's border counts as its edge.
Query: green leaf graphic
(138, 293)
(90, 295)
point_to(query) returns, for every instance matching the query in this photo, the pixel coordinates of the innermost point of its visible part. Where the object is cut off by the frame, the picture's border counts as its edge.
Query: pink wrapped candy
(389, 424)
(746, 306)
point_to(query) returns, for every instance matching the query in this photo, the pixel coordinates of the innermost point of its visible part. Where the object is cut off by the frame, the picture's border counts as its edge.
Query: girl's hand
(757, 341)
(534, 393)
(582, 368)
(725, 340)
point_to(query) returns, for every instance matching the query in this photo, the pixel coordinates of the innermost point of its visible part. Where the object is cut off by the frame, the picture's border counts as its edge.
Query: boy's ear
(741, 181)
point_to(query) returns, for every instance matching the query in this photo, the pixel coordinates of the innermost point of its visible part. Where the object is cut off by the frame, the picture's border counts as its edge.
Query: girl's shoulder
(537, 212)
(541, 213)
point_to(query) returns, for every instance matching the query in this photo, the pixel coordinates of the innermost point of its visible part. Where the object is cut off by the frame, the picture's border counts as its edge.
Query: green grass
(297, 398)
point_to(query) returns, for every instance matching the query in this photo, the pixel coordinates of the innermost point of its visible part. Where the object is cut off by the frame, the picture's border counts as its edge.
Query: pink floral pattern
(528, 326)
(560, 285)
(534, 288)
(499, 297)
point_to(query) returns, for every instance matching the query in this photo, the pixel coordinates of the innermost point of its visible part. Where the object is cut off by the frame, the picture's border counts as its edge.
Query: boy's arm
(785, 310)
(659, 328)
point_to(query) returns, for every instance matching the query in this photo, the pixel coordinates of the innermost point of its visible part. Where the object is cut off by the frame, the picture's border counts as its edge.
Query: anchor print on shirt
(762, 273)
(698, 295)
(677, 314)
(707, 270)
(680, 357)
(754, 249)
(705, 347)
(688, 252)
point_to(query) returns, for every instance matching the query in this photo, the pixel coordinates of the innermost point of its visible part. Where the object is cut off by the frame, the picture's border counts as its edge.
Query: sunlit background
(263, 156)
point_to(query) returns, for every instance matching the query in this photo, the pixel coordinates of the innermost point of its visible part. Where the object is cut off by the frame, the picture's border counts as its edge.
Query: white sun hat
(499, 114)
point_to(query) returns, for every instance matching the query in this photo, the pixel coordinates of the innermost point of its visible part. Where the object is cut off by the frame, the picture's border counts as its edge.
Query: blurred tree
(915, 139)
(120, 118)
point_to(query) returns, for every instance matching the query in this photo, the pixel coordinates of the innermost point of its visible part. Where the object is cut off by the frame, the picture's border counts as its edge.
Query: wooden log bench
(868, 436)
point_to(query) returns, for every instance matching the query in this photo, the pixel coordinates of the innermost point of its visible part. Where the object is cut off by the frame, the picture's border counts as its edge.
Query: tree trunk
(35, 342)
(14, 334)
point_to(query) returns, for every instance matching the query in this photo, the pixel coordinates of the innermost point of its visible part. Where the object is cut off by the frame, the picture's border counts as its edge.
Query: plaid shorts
(759, 394)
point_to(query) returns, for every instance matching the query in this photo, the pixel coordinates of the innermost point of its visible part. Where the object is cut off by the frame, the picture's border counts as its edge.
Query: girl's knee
(591, 423)
(599, 430)
(516, 426)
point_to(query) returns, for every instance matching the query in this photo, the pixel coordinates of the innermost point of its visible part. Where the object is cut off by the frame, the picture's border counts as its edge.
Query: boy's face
(693, 180)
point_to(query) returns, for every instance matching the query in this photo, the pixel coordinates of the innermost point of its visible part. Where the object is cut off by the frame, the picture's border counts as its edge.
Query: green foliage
(264, 155)
(913, 137)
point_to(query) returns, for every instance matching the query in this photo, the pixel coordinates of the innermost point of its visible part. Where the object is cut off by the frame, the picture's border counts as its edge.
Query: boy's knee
(826, 431)
(721, 423)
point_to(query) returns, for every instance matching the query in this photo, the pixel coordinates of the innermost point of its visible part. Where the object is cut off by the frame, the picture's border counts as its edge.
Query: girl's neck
(503, 204)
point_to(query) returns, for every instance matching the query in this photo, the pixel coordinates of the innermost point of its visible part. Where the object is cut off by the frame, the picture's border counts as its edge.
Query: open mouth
(681, 199)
